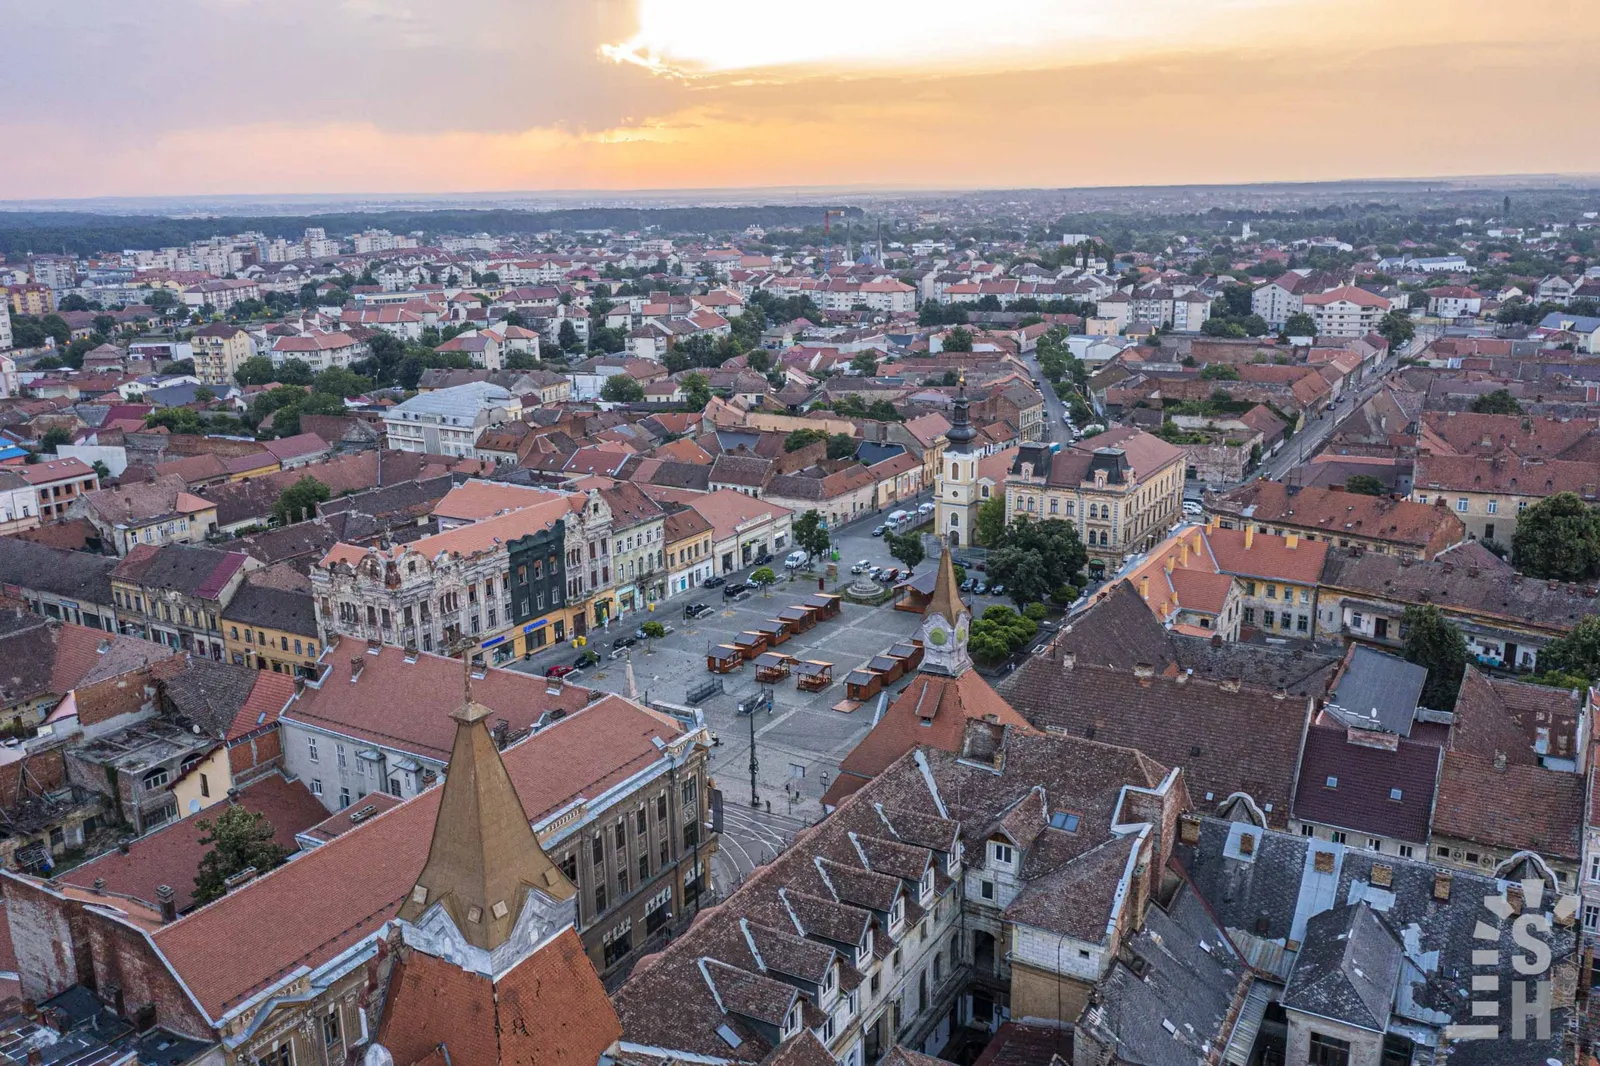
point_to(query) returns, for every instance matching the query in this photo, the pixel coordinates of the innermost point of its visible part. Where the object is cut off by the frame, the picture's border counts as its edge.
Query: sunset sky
(167, 97)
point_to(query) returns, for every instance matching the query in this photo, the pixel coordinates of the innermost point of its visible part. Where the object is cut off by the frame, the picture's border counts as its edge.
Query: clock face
(938, 635)
(961, 634)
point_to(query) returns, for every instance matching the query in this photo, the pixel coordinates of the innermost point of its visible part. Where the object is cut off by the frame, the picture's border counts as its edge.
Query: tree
(337, 381)
(239, 839)
(1558, 537)
(696, 391)
(104, 324)
(164, 299)
(1219, 372)
(567, 337)
(766, 578)
(653, 631)
(758, 360)
(958, 340)
(989, 527)
(1300, 324)
(841, 446)
(53, 438)
(294, 372)
(999, 633)
(621, 388)
(1577, 653)
(907, 548)
(1498, 402)
(865, 364)
(1434, 643)
(298, 502)
(811, 534)
(203, 394)
(802, 438)
(1396, 328)
(1365, 485)
(1035, 558)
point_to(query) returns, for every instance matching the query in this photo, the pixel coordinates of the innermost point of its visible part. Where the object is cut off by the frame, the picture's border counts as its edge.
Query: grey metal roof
(1379, 691)
(1347, 969)
(462, 401)
(77, 575)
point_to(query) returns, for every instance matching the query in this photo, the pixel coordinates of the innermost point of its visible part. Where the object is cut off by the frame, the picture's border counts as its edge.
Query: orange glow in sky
(407, 96)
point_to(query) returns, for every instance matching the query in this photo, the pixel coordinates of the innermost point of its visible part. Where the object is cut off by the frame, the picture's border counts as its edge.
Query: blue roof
(1576, 323)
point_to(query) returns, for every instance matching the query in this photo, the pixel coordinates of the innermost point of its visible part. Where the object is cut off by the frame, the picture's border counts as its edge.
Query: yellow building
(219, 349)
(271, 623)
(1122, 489)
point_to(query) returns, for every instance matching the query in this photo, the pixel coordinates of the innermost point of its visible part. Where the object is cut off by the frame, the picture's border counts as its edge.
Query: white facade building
(448, 421)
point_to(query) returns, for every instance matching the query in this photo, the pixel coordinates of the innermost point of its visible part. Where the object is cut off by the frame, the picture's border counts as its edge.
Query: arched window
(955, 471)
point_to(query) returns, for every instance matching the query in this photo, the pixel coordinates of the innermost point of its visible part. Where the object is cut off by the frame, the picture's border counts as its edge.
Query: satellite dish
(377, 1055)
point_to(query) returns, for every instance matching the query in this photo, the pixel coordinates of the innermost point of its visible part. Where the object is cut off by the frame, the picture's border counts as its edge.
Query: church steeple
(485, 865)
(945, 624)
(960, 433)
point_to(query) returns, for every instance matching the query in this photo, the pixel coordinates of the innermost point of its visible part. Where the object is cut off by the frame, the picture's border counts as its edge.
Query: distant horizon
(163, 204)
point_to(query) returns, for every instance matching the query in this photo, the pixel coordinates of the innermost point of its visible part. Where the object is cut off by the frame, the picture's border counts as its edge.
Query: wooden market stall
(891, 668)
(750, 644)
(862, 684)
(826, 604)
(775, 630)
(812, 675)
(724, 659)
(799, 617)
(909, 652)
(774, 666)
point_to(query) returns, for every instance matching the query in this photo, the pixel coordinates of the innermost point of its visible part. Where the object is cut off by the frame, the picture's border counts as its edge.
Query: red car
(559, 670)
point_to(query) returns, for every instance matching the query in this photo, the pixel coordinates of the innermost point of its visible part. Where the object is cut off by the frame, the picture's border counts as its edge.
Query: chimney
(233, 797)
(1291, 541)
(124, 844)
(357, 664)
(1144, 587)
(240, 879)
(1500, 762)
(167, 899)
(1229, 684)
(1143, 670)
(99, 886)
(1068, 660)
(1249, 535)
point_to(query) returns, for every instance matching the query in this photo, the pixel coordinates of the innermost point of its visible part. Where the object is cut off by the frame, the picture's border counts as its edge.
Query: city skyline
(358, 97)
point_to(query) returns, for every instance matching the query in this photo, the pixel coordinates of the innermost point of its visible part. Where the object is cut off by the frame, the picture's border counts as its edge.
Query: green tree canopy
(1365, 485)
(864, 364)
(1498, 402)
(1396, 328)
(989, 527)
(621, 388)
(841, 446)
(1300, 324)
(1577, 653)
(811, 534)
(800, 438)
(298, 502)
(239, 839)
(1033, 559)
(1558, 537)
(907, 548)
(1432, 642)
(999, 633)
(567, 337)
(696, 391)
(958, 340)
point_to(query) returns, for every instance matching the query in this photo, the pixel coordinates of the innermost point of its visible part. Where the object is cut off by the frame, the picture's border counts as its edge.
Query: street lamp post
(755, 798)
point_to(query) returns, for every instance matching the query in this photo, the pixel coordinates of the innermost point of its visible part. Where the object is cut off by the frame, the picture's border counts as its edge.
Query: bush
(1036, 612)
(1066, 594)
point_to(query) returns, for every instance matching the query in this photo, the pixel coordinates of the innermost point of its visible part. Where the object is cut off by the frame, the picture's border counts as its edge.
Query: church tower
(491, 970)
(956, 500)
(946, 623)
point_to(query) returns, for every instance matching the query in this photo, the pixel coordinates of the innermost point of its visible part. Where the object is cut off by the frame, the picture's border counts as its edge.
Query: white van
(796, 559)
(896, 517)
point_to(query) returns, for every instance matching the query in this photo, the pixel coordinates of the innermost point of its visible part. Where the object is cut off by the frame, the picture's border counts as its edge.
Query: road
(749, 839)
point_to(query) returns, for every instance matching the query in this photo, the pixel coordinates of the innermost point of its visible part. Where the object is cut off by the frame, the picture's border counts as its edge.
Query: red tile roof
(171, 855)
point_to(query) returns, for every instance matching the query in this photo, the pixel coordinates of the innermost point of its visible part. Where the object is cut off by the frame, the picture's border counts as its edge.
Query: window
(1404, 851)
(1461, 504)
(1328, 1051)
(278, 1056)
(338, 750)
(1269, 617)
(1301, 622)
(897, 914)
(330, 1028)
(1308, 830)
(1002, 854)
(1374, 844)
(1249, 616)
(1591, 917)
(316, 786)
(1065, 820)
(1338, 836)
(344, 797)
(1493, 507)
(311, 749)
(156, 778)
(1594, 867)
(1272, 592)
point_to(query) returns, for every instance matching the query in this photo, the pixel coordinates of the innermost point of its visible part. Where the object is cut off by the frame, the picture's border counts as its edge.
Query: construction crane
(827, 237)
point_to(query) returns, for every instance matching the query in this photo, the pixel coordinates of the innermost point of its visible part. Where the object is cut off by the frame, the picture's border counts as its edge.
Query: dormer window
(925, 895)
(897, 915)
(1002, 854)
(864, 951)
(830, 983)
(953, 860)
(791, 1022)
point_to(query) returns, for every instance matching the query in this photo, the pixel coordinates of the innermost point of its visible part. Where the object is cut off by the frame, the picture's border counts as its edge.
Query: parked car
(763, 559)
(880, 530)
(860, 568)
(980, 588)
(712, 582)
(624, 641)
(1193, 507)
(996, 590)
(876, 571)
(797, 559)
(560, 670)
(966, 586)
(890, 576)
(965, 564)
(698, 610)
(924, 509)
(733, 589)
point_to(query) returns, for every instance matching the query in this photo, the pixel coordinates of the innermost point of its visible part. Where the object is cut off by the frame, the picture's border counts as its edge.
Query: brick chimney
(1291, 541)
(357, 664)
(1249, 536)
(167, 899)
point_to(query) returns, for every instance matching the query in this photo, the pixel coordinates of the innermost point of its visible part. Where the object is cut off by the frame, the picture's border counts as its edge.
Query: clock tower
(946, 623)
(955, 500)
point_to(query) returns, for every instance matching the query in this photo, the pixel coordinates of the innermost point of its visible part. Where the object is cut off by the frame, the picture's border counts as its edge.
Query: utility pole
(755, 798)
